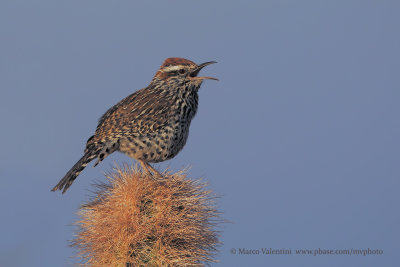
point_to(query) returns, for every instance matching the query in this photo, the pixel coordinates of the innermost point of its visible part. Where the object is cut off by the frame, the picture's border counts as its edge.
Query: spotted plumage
(150, 125)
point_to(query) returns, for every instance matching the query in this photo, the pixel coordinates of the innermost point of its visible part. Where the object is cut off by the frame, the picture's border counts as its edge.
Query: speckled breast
(158, 146)
(161, 145)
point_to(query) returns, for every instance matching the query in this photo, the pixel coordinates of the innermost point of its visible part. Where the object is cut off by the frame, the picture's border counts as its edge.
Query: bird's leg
(149, 169)
(155, 172)
(144, 167)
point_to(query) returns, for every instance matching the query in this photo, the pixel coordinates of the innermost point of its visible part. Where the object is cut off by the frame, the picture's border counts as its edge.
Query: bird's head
(182, 71)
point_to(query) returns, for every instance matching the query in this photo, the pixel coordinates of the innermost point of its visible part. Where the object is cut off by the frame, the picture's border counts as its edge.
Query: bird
(151, 125)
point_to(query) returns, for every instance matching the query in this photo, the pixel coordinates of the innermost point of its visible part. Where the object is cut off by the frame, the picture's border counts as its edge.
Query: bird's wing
(143, 112)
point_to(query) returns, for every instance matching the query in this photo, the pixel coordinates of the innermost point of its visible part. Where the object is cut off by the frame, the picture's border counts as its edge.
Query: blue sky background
(300, 136)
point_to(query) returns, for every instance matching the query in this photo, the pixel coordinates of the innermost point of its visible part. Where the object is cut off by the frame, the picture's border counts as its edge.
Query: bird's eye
(182, 71)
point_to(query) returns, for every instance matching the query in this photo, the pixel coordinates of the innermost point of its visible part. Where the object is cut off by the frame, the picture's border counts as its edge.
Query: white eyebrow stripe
(172, 68)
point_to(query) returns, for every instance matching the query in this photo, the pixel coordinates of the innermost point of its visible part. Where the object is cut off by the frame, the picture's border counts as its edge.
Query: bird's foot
(150, 171)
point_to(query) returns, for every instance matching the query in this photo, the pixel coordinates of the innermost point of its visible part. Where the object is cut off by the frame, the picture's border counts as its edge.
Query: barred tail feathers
(71, 175)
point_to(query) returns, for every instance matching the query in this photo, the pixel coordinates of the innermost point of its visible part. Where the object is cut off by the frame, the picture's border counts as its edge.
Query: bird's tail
(71, 175)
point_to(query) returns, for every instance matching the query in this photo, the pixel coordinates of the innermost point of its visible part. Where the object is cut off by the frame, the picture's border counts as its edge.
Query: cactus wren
(150, 125)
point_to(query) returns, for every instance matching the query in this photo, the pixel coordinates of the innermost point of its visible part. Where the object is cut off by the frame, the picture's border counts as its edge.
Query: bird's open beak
(193, 74)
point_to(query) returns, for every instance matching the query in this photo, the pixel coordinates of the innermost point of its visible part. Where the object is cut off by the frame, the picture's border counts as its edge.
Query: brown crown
(176, 61)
